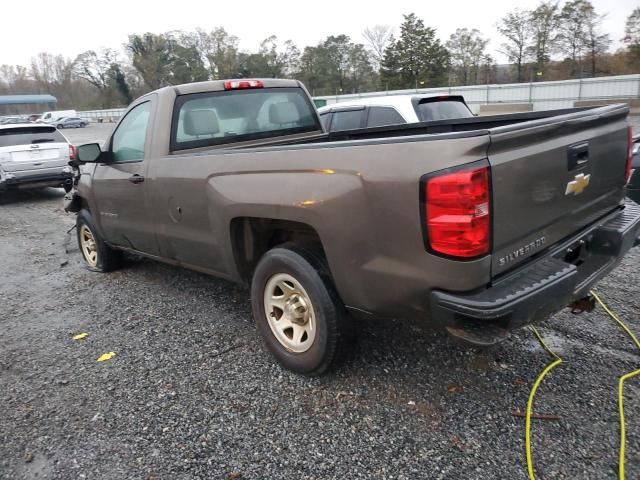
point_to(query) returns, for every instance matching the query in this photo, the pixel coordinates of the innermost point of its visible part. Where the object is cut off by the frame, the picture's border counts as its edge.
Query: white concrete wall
(543, 95)
(107, 115)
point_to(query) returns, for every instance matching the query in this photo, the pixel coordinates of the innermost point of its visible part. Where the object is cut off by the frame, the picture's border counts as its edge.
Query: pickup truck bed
(476, 225)
(466, 125)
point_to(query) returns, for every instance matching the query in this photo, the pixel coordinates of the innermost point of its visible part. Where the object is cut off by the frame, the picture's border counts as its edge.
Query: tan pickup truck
(476, 225)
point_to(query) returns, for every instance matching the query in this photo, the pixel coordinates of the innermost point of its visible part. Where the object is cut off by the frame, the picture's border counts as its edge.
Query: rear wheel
(297, 311)
(60, 126)
(96, 253)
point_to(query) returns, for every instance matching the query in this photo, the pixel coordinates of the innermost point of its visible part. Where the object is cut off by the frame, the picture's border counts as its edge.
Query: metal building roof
(26, 99)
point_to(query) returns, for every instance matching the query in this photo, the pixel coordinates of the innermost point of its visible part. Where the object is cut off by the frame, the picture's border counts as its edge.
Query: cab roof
(218, 85)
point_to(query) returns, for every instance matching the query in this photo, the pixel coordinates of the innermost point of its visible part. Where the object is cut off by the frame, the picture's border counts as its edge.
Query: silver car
(70, 122)
(34, 156)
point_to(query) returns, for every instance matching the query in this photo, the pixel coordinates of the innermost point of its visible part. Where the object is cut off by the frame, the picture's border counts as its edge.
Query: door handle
(136, 178)
(577, 155)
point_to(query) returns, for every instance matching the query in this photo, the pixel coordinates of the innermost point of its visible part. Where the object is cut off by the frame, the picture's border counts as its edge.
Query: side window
(347, 120)
(379, 116)
(127, 143)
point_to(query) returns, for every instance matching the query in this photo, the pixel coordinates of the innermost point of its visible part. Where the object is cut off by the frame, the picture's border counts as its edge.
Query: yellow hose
(536, 384)
(623, 378)
(558, 361)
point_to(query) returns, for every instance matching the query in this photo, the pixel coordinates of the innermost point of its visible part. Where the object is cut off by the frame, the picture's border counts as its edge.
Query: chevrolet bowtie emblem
(578, 184)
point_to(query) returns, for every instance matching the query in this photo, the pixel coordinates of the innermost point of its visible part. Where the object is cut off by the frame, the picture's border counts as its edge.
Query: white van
(51, 117)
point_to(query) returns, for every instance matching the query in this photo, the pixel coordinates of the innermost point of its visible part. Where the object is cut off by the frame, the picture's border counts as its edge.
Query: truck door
(120, 187)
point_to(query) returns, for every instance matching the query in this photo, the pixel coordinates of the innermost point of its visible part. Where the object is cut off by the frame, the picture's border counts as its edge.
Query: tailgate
(20, 158)
(553, 177)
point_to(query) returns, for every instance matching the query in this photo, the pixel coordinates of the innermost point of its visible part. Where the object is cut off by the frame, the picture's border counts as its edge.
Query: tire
(324, 319)
(59, 127)
(90, 242)
(82, 125)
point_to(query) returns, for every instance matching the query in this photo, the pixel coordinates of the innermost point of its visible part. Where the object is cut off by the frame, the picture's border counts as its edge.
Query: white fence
(102, 116)
(543, 95)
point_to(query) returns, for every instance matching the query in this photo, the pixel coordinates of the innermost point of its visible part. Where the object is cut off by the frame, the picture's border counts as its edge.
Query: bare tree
(632, 35)
(290, 58)
(467, 48)
(580, 34)
(488, 69)
(220, 50)
(544, 23)
(150, 56)
(95, 67)
(515, 28)
(597, 43)
(632, 28)
(378, 38)
(103, 70)
(43, 70)
(572, 34)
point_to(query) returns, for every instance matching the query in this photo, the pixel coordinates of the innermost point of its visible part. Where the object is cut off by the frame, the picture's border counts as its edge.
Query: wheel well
(253, 237)
(79, 203)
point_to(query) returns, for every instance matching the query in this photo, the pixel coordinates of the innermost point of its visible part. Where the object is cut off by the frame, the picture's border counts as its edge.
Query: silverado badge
(578, 184)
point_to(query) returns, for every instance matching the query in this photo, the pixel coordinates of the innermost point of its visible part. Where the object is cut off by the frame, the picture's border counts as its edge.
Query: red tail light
(458, 213)
(72, 152)
(239, 84)
(627, 175)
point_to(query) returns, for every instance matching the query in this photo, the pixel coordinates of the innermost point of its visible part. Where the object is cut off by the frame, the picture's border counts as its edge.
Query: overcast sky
(73, 26)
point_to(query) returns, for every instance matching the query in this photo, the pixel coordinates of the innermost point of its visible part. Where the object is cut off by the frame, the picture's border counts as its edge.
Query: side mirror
(88, 153)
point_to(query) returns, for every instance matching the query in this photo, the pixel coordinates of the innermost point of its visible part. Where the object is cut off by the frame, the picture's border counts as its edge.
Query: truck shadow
(379, 347)
(39, 195)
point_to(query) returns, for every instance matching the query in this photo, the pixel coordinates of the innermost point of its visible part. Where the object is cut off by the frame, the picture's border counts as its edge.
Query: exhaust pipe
(584, 304)
(67, 185)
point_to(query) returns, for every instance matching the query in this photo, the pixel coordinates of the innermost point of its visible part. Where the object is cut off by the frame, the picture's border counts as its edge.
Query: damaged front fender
(72, 202)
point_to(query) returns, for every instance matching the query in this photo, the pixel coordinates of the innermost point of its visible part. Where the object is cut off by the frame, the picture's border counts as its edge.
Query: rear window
(215, 118)
(28, 135)
(428, 110)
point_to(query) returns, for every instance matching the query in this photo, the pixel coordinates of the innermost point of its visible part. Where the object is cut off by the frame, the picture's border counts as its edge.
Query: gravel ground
(192, 394)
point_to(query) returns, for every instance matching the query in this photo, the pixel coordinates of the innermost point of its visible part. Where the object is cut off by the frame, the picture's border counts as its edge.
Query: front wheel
(297, 311)
(96, 253)
(60, 126)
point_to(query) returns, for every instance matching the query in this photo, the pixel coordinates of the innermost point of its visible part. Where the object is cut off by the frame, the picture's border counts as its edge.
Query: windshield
(29, 135)
(215, 118)
(437, 109)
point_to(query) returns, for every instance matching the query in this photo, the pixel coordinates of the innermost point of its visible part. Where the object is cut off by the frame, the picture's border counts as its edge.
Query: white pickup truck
(368, 112)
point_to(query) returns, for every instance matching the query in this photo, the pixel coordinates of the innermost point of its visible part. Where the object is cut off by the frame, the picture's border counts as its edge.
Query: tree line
(550, 42)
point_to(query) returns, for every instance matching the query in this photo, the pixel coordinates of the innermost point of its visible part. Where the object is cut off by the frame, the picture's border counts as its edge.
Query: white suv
(369, 112)
(34, 156)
